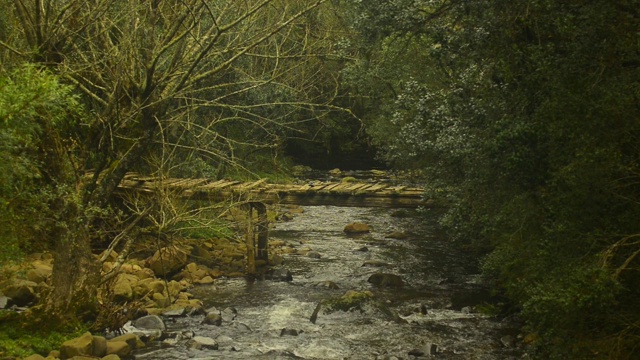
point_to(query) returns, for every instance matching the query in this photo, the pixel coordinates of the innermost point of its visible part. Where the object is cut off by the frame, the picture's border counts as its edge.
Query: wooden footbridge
(254, 196)
(342, 193)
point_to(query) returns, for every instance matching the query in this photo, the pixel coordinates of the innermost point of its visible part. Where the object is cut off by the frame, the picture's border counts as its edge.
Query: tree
(524, 117)
(159, 80)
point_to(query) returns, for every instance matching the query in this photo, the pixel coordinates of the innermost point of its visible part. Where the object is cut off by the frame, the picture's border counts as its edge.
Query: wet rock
(397, 235)
(211, 310)
(224, 340)
(150, 322)
(327, 284)
(240, 326)
(507, 341)
(363, 249)
(177, 312)
(314, 255)
(290, 332)
(356, 228)
(279, 275)
(203, 342)
(207, 280)
(386, 280)
(213, 319)
(427, 350)
(169, 343)
(466, 310)
(229, 314)
(376, 263)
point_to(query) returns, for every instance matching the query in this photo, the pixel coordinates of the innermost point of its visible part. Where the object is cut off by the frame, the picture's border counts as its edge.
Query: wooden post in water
(250, 239)
(259, 230)
(262, 232)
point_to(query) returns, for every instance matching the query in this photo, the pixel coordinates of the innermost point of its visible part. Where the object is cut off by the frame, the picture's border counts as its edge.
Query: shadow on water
(438, 279)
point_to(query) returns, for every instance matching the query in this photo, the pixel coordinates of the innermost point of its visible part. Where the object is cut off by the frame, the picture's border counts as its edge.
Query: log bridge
(255, 195)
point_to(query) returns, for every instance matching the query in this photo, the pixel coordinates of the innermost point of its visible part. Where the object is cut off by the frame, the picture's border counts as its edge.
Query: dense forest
(522, 116)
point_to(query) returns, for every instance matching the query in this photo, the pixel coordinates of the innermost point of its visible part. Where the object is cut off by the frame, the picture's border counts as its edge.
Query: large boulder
(356, 228)
(167, 261)
(80, 346)
(21, 292)
(386, 280)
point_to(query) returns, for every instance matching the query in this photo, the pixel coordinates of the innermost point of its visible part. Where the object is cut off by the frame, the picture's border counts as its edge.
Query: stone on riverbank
(80, 346)
(167, 260)
(150, 322)
(202, 342)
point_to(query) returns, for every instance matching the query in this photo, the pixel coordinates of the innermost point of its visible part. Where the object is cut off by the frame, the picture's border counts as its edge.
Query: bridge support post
(259, 231)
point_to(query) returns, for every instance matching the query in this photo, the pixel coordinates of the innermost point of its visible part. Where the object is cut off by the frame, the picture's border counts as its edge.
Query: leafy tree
(163, 83)
(35, 111)
(524, 117)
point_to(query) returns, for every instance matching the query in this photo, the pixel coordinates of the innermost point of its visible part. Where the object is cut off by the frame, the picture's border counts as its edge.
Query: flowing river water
(438, 278)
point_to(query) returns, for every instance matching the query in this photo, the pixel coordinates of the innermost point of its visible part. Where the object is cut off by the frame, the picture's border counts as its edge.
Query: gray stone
(178, 312)
(229, 314)
(4, 302)
(507, 341)
(213, 319)
(202, 342)
(150, 322)
(279, 275)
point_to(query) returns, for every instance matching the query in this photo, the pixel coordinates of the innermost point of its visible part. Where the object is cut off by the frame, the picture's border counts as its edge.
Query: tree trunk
(75, 275)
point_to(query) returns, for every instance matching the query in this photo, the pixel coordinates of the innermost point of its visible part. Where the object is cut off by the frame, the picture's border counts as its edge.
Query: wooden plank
(251, 185)
(330, 187)
(212, 184)
(376, 187)
(226, 184)
(191, 183)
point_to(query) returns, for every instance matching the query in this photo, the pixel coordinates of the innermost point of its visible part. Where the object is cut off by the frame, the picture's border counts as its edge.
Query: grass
(20, 338)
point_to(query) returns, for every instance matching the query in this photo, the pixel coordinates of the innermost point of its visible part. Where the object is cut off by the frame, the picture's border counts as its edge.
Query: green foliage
(524, 117)
(34, 106)
(20, 338)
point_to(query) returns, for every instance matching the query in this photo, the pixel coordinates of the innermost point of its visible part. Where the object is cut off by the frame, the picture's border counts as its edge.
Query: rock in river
(386, 280)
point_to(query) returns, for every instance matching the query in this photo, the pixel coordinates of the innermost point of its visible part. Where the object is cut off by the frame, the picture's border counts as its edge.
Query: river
(438, 278)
